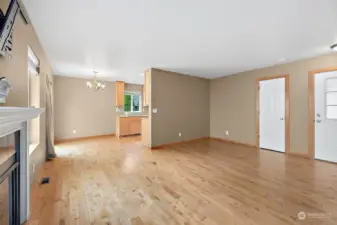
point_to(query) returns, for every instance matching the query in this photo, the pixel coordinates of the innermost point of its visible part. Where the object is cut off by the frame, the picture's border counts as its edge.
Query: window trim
(33, 62)
(33, 147)
(33, 70)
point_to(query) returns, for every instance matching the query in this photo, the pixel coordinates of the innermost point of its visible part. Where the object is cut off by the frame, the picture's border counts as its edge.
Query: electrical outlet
(227, 133)
(74, 131)
(179, 134)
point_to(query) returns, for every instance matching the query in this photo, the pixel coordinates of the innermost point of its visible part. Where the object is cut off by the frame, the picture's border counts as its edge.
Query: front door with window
(326, 116)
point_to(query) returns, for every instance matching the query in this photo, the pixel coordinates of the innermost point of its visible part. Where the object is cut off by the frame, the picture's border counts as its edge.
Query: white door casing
(326, 116)
(272, 119)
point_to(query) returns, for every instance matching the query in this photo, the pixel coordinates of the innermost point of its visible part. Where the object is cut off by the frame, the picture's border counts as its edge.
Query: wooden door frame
(287, 110)
(311, 116)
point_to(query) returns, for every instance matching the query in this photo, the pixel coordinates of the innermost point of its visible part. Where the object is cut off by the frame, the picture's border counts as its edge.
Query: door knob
(281, 118)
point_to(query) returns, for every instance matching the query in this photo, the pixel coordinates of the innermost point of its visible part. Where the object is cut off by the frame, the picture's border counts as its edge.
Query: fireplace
(10, 179)
(14, 164)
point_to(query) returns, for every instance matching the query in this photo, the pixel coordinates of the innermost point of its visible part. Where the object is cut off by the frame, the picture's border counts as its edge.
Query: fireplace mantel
(14, 120)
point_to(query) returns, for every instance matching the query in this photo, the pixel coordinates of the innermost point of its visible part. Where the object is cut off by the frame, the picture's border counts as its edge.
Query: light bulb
(334, 47)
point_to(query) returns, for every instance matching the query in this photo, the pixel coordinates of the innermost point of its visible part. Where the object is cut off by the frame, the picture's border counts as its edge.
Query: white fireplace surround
(14, 119)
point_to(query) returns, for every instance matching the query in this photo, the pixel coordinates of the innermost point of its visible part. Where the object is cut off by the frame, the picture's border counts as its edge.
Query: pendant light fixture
(95, 85)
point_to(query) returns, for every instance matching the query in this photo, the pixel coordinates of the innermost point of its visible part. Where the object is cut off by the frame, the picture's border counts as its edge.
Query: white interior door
(272, 114)
(326, 116)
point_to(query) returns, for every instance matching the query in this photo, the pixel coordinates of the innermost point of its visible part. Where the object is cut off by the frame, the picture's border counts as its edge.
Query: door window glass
(331, 98)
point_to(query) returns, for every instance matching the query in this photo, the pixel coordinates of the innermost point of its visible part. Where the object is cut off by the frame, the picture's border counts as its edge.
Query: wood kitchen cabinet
(146, 88)
(119, 94)
(128, 125)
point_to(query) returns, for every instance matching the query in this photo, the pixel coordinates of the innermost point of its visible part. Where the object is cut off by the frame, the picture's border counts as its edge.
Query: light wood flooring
(111, 182)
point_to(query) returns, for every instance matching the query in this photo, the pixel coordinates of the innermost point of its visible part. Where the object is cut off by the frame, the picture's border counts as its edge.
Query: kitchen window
(132, 102)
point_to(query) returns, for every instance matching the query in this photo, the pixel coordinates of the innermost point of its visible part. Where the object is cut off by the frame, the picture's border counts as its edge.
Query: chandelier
(95, 85)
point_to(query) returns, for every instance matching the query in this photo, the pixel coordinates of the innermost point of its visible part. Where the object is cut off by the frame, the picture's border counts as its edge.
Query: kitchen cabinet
(128, 125)
(135, 126)
(146, 88)
(119, 94)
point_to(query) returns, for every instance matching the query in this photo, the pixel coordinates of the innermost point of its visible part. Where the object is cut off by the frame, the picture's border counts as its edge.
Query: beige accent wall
(233, 101)
(183, 106)
(16, 70)
(77, 108)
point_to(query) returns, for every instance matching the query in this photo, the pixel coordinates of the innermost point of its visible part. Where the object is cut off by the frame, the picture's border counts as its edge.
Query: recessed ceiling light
(334, 47)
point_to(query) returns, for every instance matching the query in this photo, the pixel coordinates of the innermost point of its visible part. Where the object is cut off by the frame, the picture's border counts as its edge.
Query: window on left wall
(33, 98)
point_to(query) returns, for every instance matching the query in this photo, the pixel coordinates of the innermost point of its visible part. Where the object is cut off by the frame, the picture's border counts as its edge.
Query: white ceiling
(206, 38)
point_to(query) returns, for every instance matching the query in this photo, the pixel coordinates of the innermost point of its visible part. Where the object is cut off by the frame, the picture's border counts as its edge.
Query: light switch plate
(155, 110)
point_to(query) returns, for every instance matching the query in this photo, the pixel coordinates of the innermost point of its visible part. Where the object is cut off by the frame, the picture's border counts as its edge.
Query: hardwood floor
(107, 181)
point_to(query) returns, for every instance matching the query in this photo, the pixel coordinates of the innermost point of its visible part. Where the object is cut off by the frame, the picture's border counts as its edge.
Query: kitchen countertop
(125, 116)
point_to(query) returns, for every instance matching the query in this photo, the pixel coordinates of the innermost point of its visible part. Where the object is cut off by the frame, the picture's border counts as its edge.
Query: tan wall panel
(77, 108)
(183, 106)
(233, 101)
